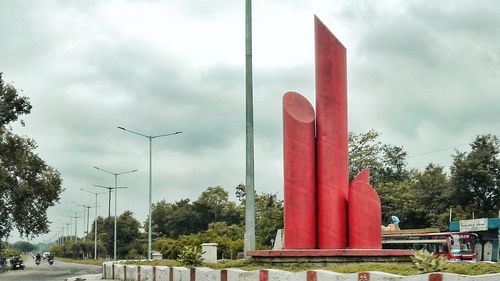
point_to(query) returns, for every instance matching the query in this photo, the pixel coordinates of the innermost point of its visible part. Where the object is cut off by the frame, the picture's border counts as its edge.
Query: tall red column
(299, 171)
(331, 115)
(364, 217)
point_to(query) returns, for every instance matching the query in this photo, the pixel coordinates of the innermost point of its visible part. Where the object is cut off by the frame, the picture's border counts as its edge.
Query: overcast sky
(423, 73)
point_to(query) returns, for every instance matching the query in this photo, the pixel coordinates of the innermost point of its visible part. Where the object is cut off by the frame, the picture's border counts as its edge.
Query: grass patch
(473, 268)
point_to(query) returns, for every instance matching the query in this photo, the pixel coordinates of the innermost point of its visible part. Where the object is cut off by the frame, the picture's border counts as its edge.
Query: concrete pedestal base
(331, 256)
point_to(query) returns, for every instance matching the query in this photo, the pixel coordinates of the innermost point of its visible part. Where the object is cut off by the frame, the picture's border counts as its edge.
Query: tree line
(424, 198)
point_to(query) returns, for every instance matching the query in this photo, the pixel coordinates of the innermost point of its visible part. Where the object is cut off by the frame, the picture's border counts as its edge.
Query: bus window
(455, 244)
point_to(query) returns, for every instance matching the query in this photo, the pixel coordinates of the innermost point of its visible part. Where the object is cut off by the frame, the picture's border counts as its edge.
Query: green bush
(190, 256)
(9, 252)
(426, 262)
(228, 238)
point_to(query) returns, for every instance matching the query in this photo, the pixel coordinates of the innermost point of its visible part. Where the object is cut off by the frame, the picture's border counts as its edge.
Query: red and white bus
(457, 246)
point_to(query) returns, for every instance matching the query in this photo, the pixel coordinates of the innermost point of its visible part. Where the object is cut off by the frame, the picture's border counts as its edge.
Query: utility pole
(249, 244)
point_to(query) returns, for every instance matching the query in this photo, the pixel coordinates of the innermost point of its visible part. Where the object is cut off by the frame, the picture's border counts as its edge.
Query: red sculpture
(331, 115)
(364, 216)
(300, 173)
(317, 169)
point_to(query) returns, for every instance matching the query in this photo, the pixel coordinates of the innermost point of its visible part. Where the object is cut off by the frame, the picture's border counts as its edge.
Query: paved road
(45, 272)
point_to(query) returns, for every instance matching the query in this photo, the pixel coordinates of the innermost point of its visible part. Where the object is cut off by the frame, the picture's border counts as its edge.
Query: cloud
(424, 74)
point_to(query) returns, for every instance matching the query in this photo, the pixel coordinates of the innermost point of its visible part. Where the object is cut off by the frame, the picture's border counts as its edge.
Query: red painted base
(330, 253)
(330, 256)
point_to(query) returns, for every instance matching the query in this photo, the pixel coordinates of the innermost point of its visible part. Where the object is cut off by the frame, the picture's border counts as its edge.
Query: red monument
(316, 165)
(300, 173)
(325, 216)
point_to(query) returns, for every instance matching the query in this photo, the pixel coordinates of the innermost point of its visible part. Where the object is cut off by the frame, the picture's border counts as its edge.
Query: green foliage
(268, 219)
(426, 262)
(24, 246)
(476, 176)
(183, 217)
(268, 216)
(387, 163)
(228, 238)
(127, 228)
(190, 256)
(11, 104)
(28, 185)
(9, 252)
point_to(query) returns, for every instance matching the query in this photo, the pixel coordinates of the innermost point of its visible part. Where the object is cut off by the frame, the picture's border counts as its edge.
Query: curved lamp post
(150, 176)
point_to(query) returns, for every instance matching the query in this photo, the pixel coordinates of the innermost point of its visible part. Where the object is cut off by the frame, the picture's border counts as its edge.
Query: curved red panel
(331, 115)
(299, 172)
(365, 214)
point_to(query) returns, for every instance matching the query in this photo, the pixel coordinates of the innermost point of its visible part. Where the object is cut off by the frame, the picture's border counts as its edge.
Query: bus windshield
(461, 244)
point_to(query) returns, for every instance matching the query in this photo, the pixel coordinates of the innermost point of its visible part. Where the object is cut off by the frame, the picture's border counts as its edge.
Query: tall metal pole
(150, 196)
(150, 177)
(88, 218)
(114, 238)
(109, 202)
(249, 244)
(83, 221)
(76, 217)
(116, 191)
(95, 229)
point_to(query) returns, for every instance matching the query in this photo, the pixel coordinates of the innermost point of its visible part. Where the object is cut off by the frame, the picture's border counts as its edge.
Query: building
(488, 231)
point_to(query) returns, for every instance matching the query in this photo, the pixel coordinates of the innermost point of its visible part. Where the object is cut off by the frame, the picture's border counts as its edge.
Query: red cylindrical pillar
(365, 214)
(331, 117)
(299, 172)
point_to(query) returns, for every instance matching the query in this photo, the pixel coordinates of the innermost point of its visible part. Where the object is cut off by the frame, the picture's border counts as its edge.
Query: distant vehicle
(457, 246)
(50, 259)
(16, 263)
(3, 264)
(45, 255)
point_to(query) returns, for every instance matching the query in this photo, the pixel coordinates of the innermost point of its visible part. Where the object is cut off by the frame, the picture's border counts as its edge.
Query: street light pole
(109, 188)
(150, 176)
(116, 181)
(95, 220)
(83, 220)
(76, 217)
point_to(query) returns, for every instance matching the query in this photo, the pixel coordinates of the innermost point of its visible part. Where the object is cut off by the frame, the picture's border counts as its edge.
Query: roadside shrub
(190, 256)
(426, 262)
(9, 252)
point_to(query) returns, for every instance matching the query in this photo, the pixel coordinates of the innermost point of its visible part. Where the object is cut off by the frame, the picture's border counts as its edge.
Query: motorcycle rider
(38, 259)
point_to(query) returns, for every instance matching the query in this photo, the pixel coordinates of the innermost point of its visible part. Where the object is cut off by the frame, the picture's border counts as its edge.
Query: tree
(476, 176)
(268, 218)
(433, 196)
(173, 220)
(364, 152)
(387, 163)
(127, 235)
(23, 246)
(213, 205)
(28, 185)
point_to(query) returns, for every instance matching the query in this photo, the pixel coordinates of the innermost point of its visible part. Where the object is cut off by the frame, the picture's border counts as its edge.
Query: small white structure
(278, 241)
(479, 251)
(488, 251)
(209, 252)
(156, 256)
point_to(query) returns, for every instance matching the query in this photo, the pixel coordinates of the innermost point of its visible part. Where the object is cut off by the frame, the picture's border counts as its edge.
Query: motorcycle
(16, 263)
(50, 260)
(3, 264)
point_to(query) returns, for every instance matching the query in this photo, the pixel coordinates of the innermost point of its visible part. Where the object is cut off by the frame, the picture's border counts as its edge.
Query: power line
(437, 150)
